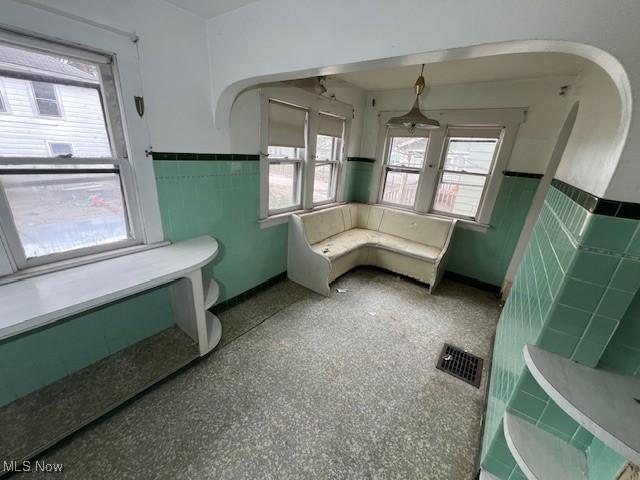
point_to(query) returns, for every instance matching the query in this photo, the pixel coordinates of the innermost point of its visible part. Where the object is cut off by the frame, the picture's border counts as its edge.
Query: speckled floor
(309, 387)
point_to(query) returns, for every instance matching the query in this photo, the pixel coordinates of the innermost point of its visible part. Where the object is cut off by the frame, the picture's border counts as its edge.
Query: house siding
(24, 133)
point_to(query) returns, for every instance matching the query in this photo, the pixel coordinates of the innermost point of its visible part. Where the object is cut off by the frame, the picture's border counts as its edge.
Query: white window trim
(5, 100)
(34, 101)
(314, 104)
(95, 44)
(508, 118)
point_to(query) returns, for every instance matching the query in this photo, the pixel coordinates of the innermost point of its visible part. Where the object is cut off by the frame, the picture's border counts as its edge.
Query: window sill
(76, 262)
(280, 218)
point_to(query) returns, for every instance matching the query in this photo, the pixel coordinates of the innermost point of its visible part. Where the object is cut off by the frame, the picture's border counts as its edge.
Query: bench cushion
(338, 245)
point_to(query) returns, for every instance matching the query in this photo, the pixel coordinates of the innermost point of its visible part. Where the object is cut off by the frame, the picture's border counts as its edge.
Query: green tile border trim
(222, 306)
(600, 206)
(509, 173)
(204, 157)
(361, 159)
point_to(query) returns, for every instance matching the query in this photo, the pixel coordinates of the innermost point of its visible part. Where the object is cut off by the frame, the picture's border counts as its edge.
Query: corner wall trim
(205, 157)
(361, 159)
(597, 205)
(508, 173)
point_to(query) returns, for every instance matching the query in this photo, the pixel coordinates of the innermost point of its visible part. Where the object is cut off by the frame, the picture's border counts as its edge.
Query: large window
(454, 170)
(464, 173)
(65, 186)
(287, 153)
(327, 157)
(304, 138)
(404, 161)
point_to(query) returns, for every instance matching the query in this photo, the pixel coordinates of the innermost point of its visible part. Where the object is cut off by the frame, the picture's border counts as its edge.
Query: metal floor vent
(460, 364)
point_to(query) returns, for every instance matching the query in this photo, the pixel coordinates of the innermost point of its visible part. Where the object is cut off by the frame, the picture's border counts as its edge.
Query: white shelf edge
(211, 293)
(541, 455)
(214, 330)
(602, 402)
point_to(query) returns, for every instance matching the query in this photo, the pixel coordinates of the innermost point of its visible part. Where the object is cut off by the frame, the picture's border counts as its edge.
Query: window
(65, 189)
(46, 99)
(61, 149)
(327, 158)
(287, 150)
(463, 177)
(403, 165)
(3, 107)
(454, 170)
(303, 139)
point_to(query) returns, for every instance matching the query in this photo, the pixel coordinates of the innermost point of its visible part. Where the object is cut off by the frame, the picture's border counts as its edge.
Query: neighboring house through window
(454, 170)
(46, 99)
(61, 149)
(66, 188)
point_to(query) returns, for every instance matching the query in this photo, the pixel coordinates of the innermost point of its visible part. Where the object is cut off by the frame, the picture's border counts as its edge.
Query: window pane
(61, 212)
(24, 133)
(61, 149)
(470, 154)
(2, 106)
(292, 153)
(283, 185)
(328, 148)
(323, 183)
(408, 151)
(459, 194)
(400, 188)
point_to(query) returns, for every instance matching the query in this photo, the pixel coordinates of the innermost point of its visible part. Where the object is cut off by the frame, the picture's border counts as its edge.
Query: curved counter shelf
(211, 293)
(605, 403)
(214, 330)
(540, 455)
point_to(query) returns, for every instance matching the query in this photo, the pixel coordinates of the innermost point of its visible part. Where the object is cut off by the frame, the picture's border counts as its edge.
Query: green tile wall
(34, 360)
(357, 181)
(574, 288)
(218, 198)
(221, 199)
(485, 256)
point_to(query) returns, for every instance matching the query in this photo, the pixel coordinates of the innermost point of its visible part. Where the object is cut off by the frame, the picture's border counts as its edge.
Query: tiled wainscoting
(357, 183)
(219, 196)
(575, 294)
(485, 256)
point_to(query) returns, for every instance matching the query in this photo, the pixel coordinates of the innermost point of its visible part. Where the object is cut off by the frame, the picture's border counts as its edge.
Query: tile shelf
(541, 455)
(605, 403)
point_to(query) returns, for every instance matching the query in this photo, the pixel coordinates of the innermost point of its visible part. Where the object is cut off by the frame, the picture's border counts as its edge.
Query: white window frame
(387, 167)
(509, 119)
(488, 176)
(314, 104)
(337, 160)
(12, 257)
(36, 108)
(5, 102)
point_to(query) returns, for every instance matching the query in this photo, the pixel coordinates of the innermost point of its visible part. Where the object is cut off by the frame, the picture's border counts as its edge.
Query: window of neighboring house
(61, 149)
(329, 141)
(53, 207)
(403, 164)
(287, 151)
(46, 99)
(463, 177)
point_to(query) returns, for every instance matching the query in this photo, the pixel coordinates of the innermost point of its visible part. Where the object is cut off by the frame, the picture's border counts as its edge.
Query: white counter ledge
(40, 300)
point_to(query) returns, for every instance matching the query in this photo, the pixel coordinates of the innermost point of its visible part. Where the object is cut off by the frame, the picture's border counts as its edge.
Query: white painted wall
(588, 155)
(272, 41)
(536, 136)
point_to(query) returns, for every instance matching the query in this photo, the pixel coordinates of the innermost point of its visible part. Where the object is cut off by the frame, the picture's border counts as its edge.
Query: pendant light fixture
(414, 118)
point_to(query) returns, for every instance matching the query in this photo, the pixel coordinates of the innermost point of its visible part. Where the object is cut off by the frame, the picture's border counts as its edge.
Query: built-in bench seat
(326, 244)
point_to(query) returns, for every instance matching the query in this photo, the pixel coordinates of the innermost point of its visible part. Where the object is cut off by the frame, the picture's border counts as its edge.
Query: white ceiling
(486, 69)
(210, 8)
